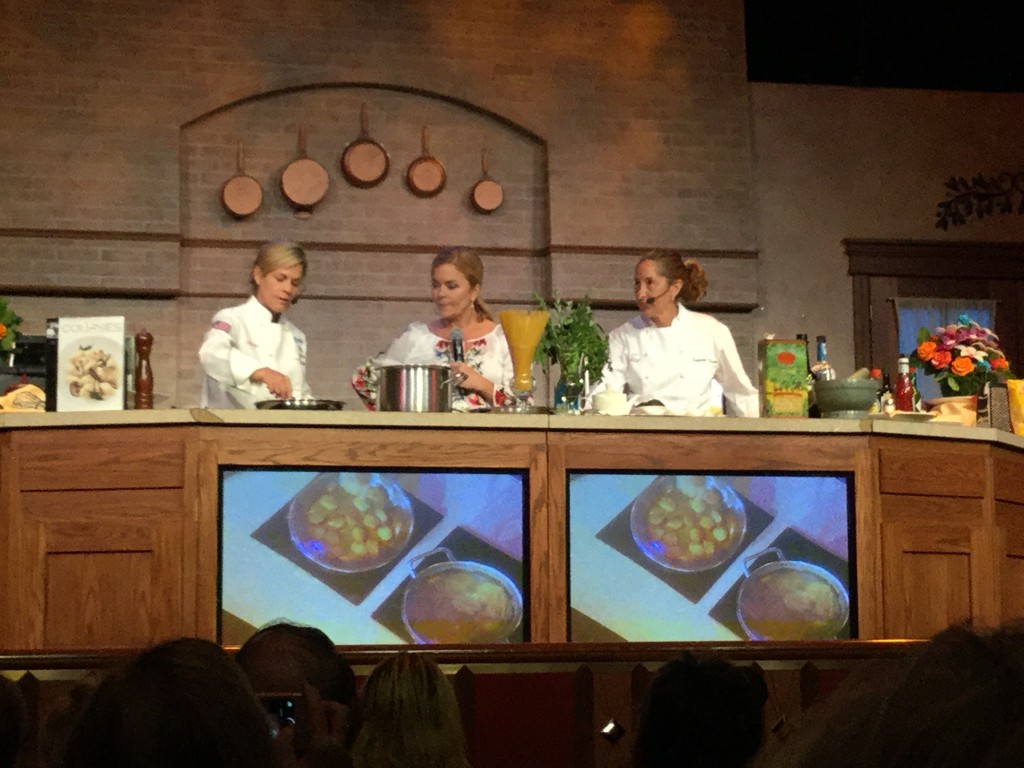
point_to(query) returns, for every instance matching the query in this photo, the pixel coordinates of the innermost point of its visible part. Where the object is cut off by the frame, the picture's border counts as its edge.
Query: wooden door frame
(877, 265)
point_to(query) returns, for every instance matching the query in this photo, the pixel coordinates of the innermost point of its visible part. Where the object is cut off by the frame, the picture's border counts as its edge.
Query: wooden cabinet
(109, 533)
(98, 537)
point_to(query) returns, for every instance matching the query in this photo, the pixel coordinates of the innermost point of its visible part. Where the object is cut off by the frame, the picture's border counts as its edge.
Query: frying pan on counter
(300, 404)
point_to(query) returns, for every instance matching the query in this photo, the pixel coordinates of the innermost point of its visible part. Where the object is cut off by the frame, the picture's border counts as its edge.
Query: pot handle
(415, 562)
(775, 552)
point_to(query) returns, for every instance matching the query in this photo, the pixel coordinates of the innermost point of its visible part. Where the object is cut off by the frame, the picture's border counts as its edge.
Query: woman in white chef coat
(684, 359)
(251, 352)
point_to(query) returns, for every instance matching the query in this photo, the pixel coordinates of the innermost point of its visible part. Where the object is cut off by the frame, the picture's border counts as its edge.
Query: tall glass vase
(567, 394)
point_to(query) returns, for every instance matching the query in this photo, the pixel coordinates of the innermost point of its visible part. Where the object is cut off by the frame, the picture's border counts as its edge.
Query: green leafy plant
(9, 322)
(573, 339)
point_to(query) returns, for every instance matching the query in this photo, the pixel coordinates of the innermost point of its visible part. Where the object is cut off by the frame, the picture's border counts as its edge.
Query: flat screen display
(383, 557)
(713, 557)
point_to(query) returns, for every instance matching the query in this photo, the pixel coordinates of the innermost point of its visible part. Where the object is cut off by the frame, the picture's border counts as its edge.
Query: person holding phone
(308, 691)
(251, 352)
(671, 356)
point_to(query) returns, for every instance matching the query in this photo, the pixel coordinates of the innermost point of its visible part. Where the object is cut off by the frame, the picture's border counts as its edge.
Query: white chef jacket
(241, 340)
(679, 364)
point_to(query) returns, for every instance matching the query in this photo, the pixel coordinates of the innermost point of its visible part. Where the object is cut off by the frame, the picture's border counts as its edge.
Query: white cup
(611, 403)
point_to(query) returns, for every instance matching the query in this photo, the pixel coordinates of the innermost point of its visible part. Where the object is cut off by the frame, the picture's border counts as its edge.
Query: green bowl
(848, 397)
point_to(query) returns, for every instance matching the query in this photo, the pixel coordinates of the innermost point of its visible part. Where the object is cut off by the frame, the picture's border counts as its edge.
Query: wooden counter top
(359, 418)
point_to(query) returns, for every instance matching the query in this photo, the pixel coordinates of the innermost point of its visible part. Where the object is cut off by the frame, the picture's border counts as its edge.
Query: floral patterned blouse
(488, 355)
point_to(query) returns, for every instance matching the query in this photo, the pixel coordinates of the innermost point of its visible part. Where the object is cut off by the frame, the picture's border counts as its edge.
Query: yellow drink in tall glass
(523, 329)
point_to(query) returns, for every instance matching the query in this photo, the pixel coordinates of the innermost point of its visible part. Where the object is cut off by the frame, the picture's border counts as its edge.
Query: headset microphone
(652, 299)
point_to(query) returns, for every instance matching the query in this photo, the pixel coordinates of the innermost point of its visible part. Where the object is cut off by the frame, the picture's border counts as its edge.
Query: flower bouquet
(962, 357)
(9, 323)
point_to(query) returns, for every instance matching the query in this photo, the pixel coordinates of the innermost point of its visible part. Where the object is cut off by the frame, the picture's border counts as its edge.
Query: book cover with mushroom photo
(90, 364)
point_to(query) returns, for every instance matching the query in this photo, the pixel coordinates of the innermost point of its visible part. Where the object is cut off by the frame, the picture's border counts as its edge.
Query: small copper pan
(241, 195)
(364, 163)
(304, 181)
(486, 195)
(425, 175)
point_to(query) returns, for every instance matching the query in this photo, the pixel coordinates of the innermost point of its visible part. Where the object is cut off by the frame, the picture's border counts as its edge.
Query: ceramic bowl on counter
(845, 398)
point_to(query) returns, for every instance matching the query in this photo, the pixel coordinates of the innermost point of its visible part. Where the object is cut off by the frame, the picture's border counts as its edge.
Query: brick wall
(610, 126)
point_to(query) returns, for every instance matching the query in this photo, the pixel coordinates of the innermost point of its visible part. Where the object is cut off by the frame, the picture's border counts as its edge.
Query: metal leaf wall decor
(980, 196)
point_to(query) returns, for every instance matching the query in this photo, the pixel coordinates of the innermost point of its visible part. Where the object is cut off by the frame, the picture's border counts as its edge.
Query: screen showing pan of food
(382, 557)
(732, 556)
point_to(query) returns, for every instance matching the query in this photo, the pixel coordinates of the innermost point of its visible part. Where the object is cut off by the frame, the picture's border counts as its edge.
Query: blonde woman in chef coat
(251, 352)
(684, 359)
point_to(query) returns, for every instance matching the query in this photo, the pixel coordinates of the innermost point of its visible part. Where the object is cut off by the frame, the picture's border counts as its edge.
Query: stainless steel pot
(415, 388)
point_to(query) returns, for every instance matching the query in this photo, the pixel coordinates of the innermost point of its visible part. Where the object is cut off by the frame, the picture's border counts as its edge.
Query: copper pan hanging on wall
(486, 195)
(304, 181)
(241, 195)
(364, 162)
(425, 175)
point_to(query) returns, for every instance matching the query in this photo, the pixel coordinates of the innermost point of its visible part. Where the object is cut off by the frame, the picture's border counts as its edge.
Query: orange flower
(3, 330)
(999, 364)
(926, 350)
(962, 366)
(941, 359)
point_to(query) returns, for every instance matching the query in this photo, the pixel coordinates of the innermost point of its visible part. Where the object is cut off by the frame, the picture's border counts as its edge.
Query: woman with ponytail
(464, 336)
(681, 359)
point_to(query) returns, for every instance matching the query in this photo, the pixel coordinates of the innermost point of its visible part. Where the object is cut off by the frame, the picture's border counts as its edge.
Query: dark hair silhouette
(958, 702)
(282, 656)
(181, 704)
(12, 722)
(700, 713)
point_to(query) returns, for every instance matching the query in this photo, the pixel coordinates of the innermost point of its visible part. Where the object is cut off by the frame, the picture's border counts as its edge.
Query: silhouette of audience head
(282, 657)
(410, 717)
(12, 722)
(957, 702)
(700, 713)
(181, 704)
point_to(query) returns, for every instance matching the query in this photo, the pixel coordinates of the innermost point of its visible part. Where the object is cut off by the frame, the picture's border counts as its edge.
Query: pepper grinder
(143, 371)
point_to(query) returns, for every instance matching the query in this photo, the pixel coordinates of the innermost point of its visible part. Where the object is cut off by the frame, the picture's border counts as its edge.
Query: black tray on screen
(354, 587)
(794, 546)
(691, 585)
(584, 629)
(463, 546)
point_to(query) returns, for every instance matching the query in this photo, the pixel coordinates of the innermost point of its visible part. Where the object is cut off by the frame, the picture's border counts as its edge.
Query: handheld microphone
(458, 354)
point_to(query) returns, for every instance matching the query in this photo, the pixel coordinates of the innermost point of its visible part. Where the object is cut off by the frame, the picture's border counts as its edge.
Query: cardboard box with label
(782, 376)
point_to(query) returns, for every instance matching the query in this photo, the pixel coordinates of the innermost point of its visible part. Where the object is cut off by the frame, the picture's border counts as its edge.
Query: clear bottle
(822, 369)
(876, 376)
(812, 409)
(885, 403)
(903, 389)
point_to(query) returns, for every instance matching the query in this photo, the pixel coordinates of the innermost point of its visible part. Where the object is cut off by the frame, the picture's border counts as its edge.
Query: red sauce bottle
(903, 389)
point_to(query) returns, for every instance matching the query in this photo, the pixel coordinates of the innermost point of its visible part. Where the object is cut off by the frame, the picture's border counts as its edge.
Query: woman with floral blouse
(456, 276)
